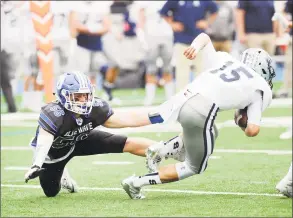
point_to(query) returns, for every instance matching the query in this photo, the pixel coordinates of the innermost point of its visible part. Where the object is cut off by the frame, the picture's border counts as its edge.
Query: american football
(240, 117)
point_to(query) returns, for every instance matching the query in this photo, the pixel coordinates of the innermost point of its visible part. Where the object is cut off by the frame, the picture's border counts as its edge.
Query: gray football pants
(199, 132)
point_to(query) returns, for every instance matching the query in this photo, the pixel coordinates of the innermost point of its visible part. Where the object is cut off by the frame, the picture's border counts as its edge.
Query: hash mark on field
(156, 190)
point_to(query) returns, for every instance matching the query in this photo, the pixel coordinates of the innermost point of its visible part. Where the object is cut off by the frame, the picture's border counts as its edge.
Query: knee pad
(184, 170)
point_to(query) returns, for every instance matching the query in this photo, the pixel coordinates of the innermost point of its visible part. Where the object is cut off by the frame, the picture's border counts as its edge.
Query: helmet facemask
(74, 104)
(271, 73)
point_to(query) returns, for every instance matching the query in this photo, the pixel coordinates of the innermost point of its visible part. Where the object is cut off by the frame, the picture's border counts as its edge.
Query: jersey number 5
(234, 75)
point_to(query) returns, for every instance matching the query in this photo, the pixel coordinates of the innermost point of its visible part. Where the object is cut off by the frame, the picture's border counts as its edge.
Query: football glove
(32, 173)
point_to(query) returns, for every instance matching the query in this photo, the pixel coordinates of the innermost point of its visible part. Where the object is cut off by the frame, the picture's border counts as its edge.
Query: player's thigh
(166, 54)
(99, 142)
(197, 119)
(151, 58)
(254, 40)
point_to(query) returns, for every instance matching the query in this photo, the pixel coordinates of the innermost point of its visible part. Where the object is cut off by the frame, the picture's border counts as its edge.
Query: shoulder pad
(51, 117)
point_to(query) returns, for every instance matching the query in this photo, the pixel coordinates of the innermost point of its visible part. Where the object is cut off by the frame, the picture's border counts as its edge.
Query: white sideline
(270, 152)
(155, 190)
(276, 103)
(170, 127)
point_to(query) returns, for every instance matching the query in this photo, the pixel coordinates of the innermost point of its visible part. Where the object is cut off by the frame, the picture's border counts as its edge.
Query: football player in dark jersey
(67, 129)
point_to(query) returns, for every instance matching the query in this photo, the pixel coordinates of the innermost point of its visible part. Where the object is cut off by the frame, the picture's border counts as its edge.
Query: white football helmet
(261, 62)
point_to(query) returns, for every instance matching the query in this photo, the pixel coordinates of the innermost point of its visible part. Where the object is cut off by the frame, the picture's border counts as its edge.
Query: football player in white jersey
(61, 35)
(159, 41)
(225, 84)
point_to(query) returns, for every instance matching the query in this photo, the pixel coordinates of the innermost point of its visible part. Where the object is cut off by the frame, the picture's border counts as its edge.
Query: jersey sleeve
(51, 118)
(101, 111)
(254, 110)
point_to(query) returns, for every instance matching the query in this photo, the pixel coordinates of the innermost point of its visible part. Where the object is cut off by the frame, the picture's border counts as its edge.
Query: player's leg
(182, 66)
(166, 53)
(151, 73)
(110, 76)
(198, 139)
(99, 142)
(53, 178)
(285, 185)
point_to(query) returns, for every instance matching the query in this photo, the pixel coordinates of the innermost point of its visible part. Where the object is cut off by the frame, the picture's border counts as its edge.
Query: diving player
(67, 129)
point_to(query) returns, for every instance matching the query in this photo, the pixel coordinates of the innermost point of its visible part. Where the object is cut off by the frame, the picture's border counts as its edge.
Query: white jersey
(155, 25)
(91, 13)
(228, 83)
(16, 21)
(60, 11)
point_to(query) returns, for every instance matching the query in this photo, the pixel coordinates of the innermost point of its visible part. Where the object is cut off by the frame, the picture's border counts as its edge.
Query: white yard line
(16, 168)
(24, 168)
(112, 162)
(155, 190)
(248, 151)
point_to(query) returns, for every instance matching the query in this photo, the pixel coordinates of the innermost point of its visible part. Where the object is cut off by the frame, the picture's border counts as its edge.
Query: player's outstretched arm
(44, 143)
(128, 119)
(202, 41)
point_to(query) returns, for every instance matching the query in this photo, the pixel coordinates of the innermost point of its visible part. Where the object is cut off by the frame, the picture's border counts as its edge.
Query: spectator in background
(255, 28)
(89, 21)
(6, 81)
(159, 41)
(286, 89)
(188, 20)
(221, 31)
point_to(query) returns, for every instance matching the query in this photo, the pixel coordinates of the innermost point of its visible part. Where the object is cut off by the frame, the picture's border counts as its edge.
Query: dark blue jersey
(67, 128)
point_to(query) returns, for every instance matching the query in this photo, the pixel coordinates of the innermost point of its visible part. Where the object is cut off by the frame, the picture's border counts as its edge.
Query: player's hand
(32, 173)
(190, 53)
(177, 26)
(202, 24)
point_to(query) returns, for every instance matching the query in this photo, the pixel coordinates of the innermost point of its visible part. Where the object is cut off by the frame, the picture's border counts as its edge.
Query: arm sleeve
(168, 6)
(44, 142)
(254, 110)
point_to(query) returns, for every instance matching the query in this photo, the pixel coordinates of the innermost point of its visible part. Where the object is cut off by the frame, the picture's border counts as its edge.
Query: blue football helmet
(71, 84)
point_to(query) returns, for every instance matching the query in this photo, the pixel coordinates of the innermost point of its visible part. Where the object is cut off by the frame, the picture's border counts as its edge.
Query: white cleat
(131, 190)
(285, 187)
(68, 183)
(153, 158)
(287, 134)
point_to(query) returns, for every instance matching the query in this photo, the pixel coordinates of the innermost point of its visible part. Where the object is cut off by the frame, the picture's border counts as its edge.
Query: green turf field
(239, 181)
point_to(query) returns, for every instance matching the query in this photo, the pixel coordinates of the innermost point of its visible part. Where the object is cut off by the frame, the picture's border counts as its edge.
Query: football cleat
(153, 158)
(68, 183)
(132, 191)
(285, 187)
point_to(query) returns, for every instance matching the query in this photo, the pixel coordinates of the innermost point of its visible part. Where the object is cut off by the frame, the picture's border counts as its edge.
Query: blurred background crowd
(130, 44)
